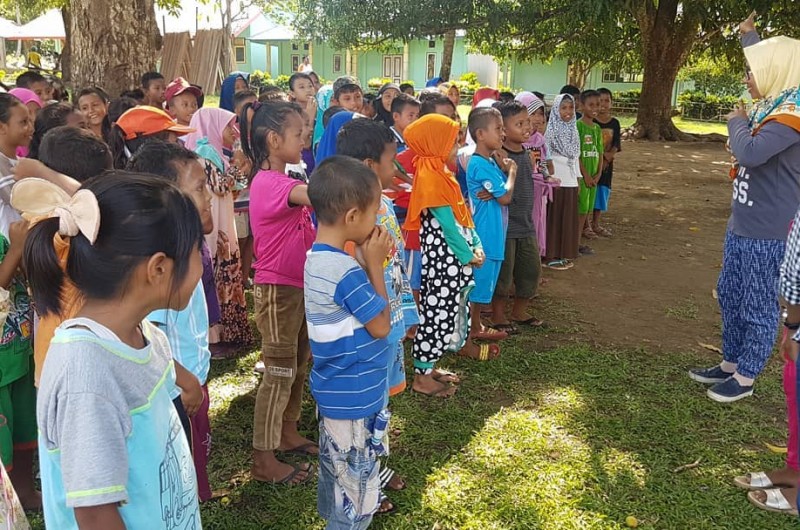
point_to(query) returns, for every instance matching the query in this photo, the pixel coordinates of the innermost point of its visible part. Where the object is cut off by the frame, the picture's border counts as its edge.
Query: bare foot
(386, 507)
(427, 385)
(397, 483)
(784, 477)
(291, 439)
(443, 376)
(267, 468)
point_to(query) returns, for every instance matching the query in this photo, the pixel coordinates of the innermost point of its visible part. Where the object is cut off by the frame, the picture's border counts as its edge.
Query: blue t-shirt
(348, 379)
(489, 216)
(187, 331)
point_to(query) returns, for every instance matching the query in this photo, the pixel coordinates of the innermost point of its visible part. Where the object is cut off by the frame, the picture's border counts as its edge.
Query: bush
(628, 97)
(376, 82)
(697, 105)
(259, 78)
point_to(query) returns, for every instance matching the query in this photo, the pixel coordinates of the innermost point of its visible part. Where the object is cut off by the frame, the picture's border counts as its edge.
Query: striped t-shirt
(348, 379)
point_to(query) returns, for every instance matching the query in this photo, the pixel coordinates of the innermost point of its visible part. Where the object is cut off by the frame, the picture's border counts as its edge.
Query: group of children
(137, 222)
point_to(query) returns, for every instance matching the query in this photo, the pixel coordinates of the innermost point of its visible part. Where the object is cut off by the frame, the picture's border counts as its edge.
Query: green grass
(554, 438)
(685, 310)
(687, 126)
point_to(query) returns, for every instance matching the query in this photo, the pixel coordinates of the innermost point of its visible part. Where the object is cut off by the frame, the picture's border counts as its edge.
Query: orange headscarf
(432, 138)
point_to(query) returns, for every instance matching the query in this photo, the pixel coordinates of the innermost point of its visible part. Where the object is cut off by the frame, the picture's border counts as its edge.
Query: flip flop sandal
(559, 265)
(776, 502)
(287, 480)
(486, 352)
(386, 512)
(490, 334)
(509, 328)
(532, 322)
(302, 450)
(754, 481)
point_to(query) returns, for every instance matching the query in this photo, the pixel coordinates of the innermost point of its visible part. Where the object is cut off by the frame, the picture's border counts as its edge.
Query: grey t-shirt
(108, 432)
(520, 211)
(766, 190)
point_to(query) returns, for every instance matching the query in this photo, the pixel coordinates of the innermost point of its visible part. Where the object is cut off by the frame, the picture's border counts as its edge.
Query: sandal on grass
(559, 265)
(532, 322)
(302, 450)
(490, 334)
(386, 507)
(486, 352)
(775, 501)
(387, 475)
(287, 480)
(754, 481)
(508, 327)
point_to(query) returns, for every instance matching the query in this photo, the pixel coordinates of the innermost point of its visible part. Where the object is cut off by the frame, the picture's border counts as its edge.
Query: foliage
(713, 75)
(282, 81)
(627, 97)
(259, 78)
(697, 105)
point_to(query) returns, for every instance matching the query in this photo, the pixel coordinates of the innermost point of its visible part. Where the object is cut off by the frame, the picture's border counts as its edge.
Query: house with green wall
(264, 44)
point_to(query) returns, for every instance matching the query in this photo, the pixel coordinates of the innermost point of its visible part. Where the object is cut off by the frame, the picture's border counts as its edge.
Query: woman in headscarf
(324, 97)
(766, 193)
(450, 247)
(766, 186)
(327, 144)
(235, 82)
(485, 93)
(214, 132)
(563, 143)
(383, 103)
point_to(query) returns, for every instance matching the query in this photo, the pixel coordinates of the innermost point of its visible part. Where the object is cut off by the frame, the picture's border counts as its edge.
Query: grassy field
(563, 438)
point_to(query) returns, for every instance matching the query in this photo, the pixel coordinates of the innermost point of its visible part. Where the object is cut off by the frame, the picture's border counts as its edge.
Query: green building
(263, 44)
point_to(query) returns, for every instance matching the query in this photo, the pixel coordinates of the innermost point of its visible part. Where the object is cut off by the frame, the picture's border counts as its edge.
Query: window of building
(295, 47)
(337, 63)
(239, 51)
(305, 46)
(295, 62)
(430, 71)
(431, 43)
(610, 76)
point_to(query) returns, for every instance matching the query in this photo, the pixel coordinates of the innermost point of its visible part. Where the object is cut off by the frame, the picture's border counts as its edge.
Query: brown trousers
(281, 320)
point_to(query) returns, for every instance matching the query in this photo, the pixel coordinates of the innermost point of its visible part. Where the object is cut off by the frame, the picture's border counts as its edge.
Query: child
(575, 92)
(214, 131)
(383, 106)
(111, 448)
(50, 117)
(562, 216)
(371, 142)
(33, 80)
(612, 144)
(348, 322)
(347, 94)
(405, 111)
(489, 211)
(137, 125)
(153, 86)
(591, 162)
(522, 265)
(301, 91)
(231, 85)
(93, 103)
(449, 248)
(282, 235)
(407, 88)
(187, 330)
(16, 129)
(370, 107)
(182, 100)
(17, 392)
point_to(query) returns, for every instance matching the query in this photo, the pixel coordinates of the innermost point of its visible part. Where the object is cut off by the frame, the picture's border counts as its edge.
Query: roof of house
(50, 25)
(263, 28)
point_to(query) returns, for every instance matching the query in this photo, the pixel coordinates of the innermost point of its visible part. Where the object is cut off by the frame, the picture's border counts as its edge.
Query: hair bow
(37, 198)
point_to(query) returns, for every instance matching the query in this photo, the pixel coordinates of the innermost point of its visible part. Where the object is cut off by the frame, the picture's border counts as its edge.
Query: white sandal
(754, 481)
(776, 502)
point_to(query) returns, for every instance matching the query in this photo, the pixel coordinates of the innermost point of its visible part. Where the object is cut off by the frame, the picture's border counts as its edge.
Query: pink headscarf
(209, 123)
(26, 96)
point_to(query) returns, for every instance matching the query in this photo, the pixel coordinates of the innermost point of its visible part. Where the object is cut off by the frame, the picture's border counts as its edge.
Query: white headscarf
(561, 136)
(775, 64)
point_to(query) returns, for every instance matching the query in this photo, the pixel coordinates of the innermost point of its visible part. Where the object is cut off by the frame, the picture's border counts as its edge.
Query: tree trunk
(66, 53)
(578, 71)
(226, 53)
(666, 43)
(447, 55)
(112, 43)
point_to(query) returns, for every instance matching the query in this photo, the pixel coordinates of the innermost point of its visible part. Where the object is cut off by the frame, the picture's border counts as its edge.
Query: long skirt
(562, 225)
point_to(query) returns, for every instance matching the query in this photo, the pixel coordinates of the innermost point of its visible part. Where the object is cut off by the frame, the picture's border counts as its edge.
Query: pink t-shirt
(282, 233)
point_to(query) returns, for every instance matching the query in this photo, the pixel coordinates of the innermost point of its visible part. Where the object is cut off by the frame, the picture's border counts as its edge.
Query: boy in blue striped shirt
(348, 321)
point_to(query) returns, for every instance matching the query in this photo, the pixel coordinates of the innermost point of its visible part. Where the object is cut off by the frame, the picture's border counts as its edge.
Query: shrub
(696, 105)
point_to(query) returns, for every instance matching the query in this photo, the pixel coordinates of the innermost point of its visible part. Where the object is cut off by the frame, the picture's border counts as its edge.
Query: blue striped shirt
(349, 376)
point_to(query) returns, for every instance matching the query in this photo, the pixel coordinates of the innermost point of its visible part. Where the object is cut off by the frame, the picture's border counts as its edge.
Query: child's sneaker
(729, 391)
(709, 376)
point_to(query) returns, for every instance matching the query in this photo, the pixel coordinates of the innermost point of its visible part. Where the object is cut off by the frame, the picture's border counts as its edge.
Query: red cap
(147, 121)
(178, 86)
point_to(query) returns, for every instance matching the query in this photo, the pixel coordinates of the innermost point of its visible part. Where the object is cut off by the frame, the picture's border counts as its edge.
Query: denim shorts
(349, 489)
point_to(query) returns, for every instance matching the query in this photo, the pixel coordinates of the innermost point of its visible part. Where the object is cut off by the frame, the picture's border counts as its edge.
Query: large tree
(665, 33)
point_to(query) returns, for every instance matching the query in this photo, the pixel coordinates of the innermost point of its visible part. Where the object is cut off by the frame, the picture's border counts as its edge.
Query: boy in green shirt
(591, 161)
